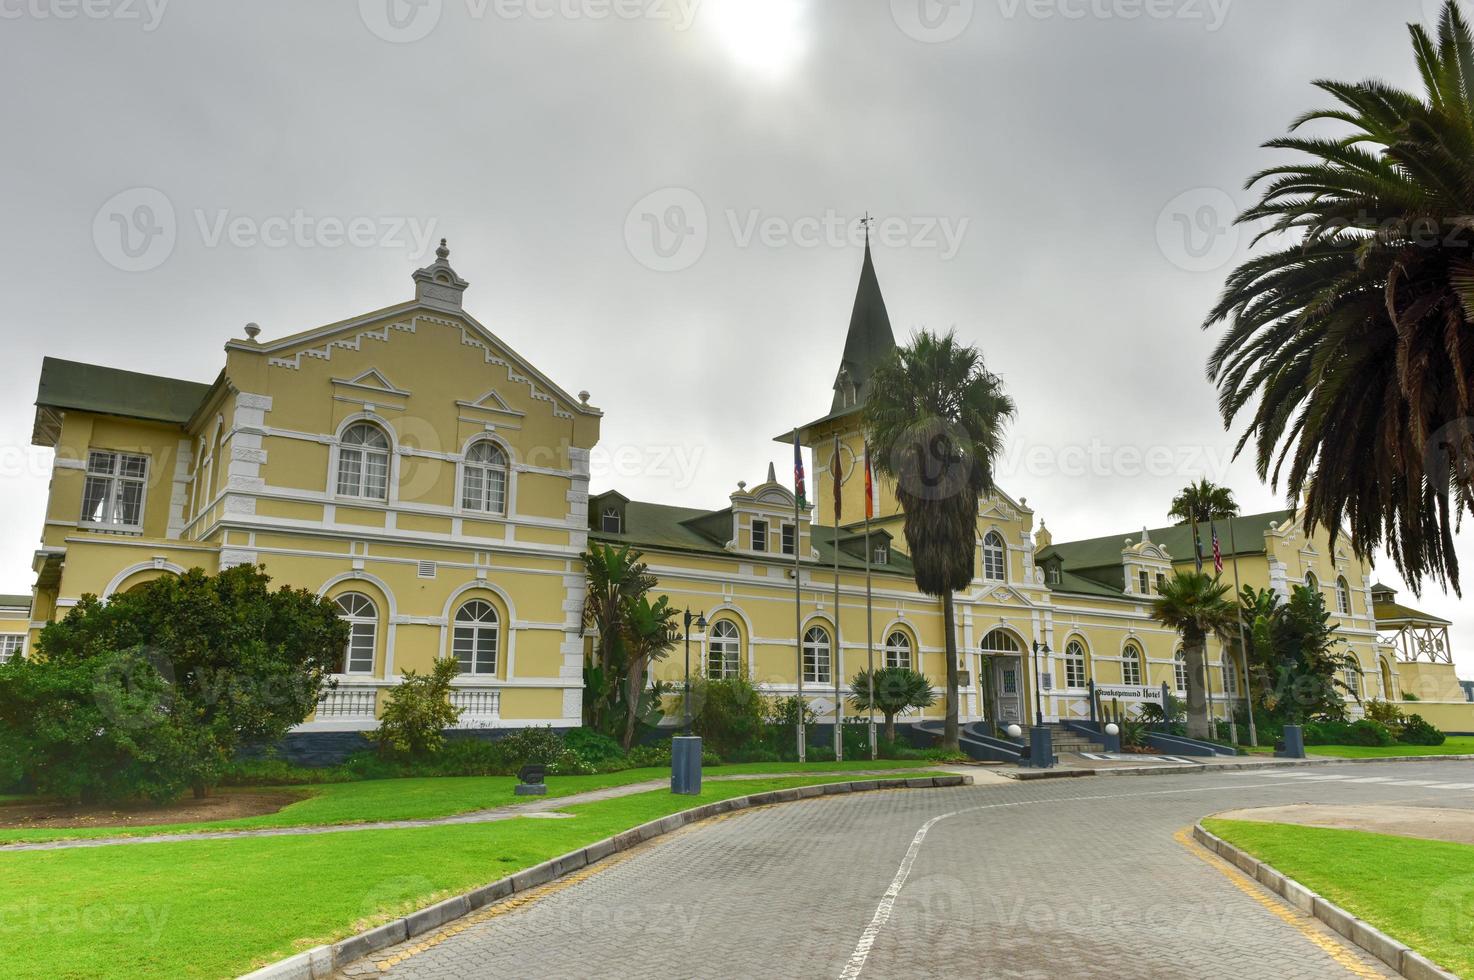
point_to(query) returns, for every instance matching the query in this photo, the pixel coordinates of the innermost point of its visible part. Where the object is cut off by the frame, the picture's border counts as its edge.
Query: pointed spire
(869, 342)
(772, 474)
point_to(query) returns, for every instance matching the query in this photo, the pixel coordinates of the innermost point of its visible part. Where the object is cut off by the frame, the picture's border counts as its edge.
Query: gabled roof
(74, 386)
(1396, 614)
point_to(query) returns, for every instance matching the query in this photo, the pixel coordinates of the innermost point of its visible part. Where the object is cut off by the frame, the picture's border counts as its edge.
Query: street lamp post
(1039, 683)
(1041, 745)
(700, 619)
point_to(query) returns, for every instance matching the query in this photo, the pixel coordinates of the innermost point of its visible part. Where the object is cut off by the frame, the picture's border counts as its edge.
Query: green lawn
(417, 799)
(1454, 745)
(221, 908)
(1419, 892)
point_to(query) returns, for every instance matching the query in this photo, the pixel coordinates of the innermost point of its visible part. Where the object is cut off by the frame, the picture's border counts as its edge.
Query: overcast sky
(655, 200)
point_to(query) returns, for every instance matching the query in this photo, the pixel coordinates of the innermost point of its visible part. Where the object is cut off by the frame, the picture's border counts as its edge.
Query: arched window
(1179, 669)
(475, 639)
(362, 617)
(1311, 582)
(1353, 682)
(484, 479)
(363, 462)
(1230, 677)
(1387, 684)
(995, 557)
(1074, 664)
(723, 653)
(1343, 596)
(816, 656)
(898, 650)
(1131, 665)
(1000, 641)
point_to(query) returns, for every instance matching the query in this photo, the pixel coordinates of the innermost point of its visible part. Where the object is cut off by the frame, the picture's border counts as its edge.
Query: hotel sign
(1118, 692)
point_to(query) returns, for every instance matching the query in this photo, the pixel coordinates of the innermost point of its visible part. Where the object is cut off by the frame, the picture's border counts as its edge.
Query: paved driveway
(1062, 878)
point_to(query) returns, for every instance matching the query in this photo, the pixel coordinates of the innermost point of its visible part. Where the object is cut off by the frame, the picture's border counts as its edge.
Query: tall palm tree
(650, 635)
(1195, 605)
(1351, 343)
(616, 577)
(1202, 502)
(934, 420)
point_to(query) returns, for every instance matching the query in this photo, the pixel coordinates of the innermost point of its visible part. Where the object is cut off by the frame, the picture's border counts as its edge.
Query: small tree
(897, 689)
(1295, 656)
(417, 712)
(1193, 603)
(616, 577)
(162, 685)
(650, 633)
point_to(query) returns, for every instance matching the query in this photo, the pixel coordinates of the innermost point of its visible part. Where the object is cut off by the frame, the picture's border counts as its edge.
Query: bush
(279, 772)
(731, 715)
(1364, 731)
(544, 746)
(1417, 731)
(1387, 714)
(592, 747)
(418, 710)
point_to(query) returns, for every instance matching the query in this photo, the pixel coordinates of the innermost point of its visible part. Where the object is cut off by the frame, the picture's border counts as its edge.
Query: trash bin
(685, 765)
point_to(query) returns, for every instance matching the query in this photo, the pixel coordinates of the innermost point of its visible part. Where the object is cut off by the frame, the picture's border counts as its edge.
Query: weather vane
(865, 222)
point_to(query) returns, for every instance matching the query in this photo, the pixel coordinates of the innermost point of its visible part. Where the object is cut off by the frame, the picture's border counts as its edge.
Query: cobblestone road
(1064, 878)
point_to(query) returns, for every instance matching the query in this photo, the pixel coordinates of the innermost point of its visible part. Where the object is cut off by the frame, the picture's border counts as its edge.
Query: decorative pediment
(492, 402)
(372, 380)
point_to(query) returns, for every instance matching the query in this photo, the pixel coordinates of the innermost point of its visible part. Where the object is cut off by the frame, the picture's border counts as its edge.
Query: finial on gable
(437, 283)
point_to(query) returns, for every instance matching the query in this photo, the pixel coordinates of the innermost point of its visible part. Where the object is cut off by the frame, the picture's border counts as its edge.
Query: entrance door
(1009, 682)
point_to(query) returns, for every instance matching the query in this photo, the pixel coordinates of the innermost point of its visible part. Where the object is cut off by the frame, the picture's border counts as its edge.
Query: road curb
(1024, 775)
(1405, 961)
(321, 962)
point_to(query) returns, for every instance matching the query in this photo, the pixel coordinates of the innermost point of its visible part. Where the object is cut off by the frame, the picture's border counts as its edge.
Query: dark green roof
(1396, 612)
(70, 385)
(665, 527)
(15, 602)
(870, 340)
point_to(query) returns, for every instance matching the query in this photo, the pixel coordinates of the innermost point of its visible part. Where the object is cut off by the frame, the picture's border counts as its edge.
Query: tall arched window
(1230, 677)
(363, 462)
(1179, 669)
(475, 639)
(816, 656)
(995, 557)
(1387, 684)
(1353, 681)
(1311, 582)
(1343, 596)
(362, 617)
(898, 650)
(723, 652)
(1074, 664)
(1131, 665)
(484, 479)
(1000, 641)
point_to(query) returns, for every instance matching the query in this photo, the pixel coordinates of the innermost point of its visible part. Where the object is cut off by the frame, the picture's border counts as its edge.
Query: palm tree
(616, 576)
(650, 634)
(934, 421)
(896, 689)
(1351, 344)
(1194, 604)
(1201, 502)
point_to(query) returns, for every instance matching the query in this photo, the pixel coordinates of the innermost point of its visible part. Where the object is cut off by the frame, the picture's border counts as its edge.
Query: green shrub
(1386, 714)
(1417, 731)
(279, 772)
(1364, 731)
(417, 711)
(1409, 696)
(544, 746)
(593, 747)
(731, 714)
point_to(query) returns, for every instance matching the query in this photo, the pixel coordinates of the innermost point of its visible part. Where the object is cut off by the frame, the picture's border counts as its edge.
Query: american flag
(798, 471)
(1217, 554)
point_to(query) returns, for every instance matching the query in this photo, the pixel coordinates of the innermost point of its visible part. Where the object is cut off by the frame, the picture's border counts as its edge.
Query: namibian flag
(869, 487)
(798, 472)
(1217, 554)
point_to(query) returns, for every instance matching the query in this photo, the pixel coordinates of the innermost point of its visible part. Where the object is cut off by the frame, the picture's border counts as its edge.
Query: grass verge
(369, 801)
(221, 908)
(1454, 745)
(1417, 891)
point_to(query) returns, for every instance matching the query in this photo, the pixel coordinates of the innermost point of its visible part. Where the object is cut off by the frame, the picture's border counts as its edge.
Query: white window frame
(472, 633)
(363, 630)
(485, 472)
(1230, 678)
(759, 532)
(995, 557)
(366, 453)
(1144, 580)
(898, 654)
(605, 518)
(114, 479)
(788, 539)
(1131, 658)
(11, 645)
(1343, 596)
(817, 644)
(1179, 670)
(1353, 680)
(1075, 665)
(723, 650)
(1312, 581)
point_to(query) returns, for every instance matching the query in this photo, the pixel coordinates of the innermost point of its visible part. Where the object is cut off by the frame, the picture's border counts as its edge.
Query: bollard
(685, 765)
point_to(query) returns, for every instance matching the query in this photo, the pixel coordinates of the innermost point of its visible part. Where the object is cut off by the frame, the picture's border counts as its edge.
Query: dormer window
(1144, 579)
(1051, 573)
(611, 523)
(759, 535)
(882, 554)
(1161, 583)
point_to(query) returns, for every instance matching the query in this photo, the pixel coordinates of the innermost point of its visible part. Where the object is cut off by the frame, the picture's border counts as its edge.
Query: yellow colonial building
(410, 466)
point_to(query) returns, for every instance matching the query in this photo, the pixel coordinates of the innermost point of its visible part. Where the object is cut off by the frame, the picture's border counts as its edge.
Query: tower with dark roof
(867, 345)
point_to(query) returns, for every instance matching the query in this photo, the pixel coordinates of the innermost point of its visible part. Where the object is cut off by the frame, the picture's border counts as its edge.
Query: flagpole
(798, 601)
(1225, 656)
(1243, 638)
(869, 610)
(838, 649)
